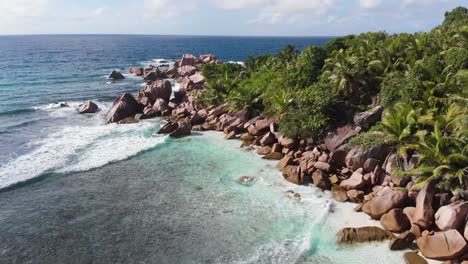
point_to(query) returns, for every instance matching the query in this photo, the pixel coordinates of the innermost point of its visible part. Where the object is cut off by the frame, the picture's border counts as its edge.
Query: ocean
(75, 190)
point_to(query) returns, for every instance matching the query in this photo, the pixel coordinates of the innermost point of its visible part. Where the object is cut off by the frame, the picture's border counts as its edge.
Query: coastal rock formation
(395, 221)
(187, 59)
(369, 118)
(363, 234)
(384, 201)
(357, 156)
(152, 74)
(184, 129)
(116, 75)
(160, 106)
(138, 71)
(356, 181)
(168, 128)
(402, 241)
(87, 108)
(336, 139)
(452, 216)
(128, 120)
(424, 214)
(158, 89)
(445, 245)
(339, 193)
(207, 58)
(320, 179)
(186, 70)
(124, 106)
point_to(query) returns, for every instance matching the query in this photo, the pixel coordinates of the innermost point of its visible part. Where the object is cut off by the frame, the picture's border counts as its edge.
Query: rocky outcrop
(369, 118)
(320, 179)
(445, 245)
(158, 89)
(138, 71)
(286, 142)
(184, 129)
(207, 58)
(452, 216)
(339, 193)
(363, 234)
(395, 221)
(116, 75)
(336, 139)
(357, 156)
(168, 128)
(186, 70)
(356, 181)
(384, 201)
(152, 74)
(402, 241)
(261, 126)
(160, 106)
(124, 106)
(291, 174)
(187, 59)
(197, 79)
(424, 214)
(87, 108)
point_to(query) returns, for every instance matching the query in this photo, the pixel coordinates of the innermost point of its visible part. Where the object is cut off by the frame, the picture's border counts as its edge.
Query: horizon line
(170, 35)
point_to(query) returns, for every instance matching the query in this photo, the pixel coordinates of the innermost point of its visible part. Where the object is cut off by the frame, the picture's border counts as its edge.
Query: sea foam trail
(80, 147)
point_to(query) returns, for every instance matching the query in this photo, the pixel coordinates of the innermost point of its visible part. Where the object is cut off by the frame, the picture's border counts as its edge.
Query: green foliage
(421, 80)
(367, 140)
(310, 113)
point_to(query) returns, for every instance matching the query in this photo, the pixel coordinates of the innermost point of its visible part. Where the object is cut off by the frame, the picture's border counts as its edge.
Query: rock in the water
(413, 258)
(339, 193)
(230, 135)
(355, 196)
(369, 118)
(116, 75)
(384, 201)
(356, 181)
(87, 108)
(395, 221)
(424, 214)
(246, 180)
(363, 234)
(124, 106)
(265, 150)
(138, 71)
(445, 245)
(320, 179)
(402, 241)
(160, 106)
(290, 174)
(285, 161)
(452, 216)
(168, 128)
(184, 129)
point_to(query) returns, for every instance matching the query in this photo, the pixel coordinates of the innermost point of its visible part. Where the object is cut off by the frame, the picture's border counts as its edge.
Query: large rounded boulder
(442, 245)
(384, 201)
(452, 216)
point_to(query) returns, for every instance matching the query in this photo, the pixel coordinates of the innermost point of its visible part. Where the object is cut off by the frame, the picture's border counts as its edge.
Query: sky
(221, 17)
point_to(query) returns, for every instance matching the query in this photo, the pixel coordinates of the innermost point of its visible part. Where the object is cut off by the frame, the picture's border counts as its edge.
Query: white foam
(83, 146)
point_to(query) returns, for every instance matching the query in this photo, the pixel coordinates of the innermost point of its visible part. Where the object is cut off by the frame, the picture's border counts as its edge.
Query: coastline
(257, 133)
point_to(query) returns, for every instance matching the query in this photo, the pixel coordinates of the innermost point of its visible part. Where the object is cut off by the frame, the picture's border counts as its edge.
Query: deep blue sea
(75, 190)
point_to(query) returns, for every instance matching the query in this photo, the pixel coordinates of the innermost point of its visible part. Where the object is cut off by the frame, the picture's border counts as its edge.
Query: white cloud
(19, 9)
(165, 10)
(369, 4)
(240, 4)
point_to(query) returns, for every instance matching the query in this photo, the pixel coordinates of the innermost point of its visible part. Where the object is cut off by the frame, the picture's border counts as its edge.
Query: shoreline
(361, 176)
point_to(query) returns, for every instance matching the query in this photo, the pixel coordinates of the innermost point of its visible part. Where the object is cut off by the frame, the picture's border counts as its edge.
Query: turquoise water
(75, 190)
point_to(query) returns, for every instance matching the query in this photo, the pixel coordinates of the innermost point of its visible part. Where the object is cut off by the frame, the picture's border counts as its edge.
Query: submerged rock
(413, 258)
(246, 180)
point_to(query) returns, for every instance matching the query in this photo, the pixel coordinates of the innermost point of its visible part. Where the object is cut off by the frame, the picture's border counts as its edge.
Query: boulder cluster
(434, 222)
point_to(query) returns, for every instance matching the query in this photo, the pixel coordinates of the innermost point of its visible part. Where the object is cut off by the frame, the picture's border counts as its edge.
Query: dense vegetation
(421, 79)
